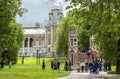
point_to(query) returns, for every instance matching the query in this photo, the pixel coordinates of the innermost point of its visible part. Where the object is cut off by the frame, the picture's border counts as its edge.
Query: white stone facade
(42, 40)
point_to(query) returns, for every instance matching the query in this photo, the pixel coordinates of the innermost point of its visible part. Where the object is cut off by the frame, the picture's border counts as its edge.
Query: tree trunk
(118, 66)
(118, 60)
(3, 58)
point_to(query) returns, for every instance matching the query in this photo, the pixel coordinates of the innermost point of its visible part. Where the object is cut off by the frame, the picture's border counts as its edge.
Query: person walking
(10, 64)
(66, 65)
(98, 66)
(58, 65)
(43, 64)
(52, 64)
(2, 64)
(23, 60)
(91, 67)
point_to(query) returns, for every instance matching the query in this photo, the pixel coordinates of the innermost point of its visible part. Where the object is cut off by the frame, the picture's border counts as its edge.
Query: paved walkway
(87, 75)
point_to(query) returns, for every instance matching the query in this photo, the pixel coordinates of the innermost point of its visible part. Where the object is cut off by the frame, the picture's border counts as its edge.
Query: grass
(113, 70)
(29, 70)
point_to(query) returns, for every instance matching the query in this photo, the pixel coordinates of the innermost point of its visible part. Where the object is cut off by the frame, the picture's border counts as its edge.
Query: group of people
(67, 65)
(93, 67)
(107, 66)
(55, 64)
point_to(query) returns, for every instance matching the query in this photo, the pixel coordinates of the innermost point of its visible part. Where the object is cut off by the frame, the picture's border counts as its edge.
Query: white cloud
(38, 11)
(59, 2)
(46, 0)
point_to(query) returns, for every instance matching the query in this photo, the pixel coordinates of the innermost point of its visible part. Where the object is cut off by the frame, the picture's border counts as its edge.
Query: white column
(37, 43)
(45, 39)
(51, 37)
(28, 45)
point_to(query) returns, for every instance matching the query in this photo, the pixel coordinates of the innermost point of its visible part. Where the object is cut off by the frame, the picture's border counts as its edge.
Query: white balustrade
(30, 53)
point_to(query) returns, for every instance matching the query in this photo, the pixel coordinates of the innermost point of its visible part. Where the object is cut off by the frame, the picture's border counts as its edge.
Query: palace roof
(33, 31)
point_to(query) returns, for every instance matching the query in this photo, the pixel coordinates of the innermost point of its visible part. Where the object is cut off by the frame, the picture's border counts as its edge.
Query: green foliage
(103, 17)
(8, 11)
(11, 41)
(62, 34)
(67, 23)
(83, 37)
(11, 33)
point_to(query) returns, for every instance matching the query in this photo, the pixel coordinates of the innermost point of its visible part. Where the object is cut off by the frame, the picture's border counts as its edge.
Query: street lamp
(38, 57)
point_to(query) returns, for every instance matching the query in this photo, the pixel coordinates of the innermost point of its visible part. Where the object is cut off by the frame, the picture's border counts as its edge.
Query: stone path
(101, 75)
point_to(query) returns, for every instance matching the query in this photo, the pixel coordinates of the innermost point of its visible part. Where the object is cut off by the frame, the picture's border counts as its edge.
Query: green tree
(83, 37)
(11, 33)
(67, 23)
(62, 35)
(104, 18)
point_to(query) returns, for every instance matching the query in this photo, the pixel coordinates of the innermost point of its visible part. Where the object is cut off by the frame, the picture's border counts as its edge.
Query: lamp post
(40, 54)
(38, 57)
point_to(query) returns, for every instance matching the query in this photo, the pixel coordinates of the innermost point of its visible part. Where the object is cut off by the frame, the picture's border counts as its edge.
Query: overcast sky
(38, 11)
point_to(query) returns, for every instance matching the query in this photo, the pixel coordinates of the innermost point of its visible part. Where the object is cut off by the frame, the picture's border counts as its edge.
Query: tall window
(31, 42)
(75, 40)
(26, 41)
(71, 42)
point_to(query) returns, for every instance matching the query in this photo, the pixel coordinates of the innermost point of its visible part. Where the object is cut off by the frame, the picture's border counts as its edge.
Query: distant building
(42, 40)
(72, 54)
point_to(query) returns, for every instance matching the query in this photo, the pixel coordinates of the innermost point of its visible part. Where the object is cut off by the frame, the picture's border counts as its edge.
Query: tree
(62, 35)
(83, 37)
(103, 16)
(67, 23)
(11, 33)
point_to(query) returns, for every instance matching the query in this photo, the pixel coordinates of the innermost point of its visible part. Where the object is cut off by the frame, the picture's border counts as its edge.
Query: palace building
(38, 40)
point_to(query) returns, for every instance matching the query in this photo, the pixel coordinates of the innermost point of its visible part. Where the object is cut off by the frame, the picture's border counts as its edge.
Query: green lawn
(29, 70)
(113, 70)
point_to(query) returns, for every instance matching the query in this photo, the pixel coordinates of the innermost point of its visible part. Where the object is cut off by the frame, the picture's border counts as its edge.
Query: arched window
(71, 42)
(26, 41)
(31, 42)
